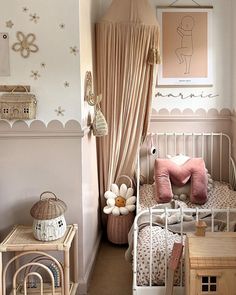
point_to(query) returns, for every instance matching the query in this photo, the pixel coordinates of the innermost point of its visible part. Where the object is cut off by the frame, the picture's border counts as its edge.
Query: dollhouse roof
(214, 250)
(17, 99)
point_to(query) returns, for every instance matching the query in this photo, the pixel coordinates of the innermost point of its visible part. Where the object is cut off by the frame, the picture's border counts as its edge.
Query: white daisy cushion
(120, 201)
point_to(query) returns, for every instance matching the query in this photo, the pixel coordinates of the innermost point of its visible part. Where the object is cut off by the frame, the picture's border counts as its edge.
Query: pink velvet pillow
(167, 172)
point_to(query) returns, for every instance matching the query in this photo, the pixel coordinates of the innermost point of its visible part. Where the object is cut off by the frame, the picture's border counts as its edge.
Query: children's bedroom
(117, 147)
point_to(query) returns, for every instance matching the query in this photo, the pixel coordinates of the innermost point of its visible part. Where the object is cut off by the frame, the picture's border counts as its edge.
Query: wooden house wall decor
(21, 106)
(210, 263)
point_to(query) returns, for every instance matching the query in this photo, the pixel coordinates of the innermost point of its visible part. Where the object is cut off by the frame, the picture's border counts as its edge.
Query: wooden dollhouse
(210, 264)
(18, 105)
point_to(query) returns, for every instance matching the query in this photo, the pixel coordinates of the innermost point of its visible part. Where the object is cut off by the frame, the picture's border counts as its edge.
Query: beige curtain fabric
(124, 38)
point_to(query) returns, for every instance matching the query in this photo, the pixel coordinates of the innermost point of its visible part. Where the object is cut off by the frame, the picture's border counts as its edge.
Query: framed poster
(186, 46)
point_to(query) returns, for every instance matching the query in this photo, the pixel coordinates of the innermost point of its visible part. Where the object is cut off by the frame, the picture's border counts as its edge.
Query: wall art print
(185, 46)
(4, 55)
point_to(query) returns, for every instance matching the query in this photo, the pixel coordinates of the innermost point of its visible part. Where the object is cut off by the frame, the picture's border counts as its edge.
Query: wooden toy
(172, 266)
(200, 228)
(210, 263)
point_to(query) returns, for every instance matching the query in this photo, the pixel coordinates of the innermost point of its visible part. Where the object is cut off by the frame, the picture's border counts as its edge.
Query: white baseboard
(84, 282)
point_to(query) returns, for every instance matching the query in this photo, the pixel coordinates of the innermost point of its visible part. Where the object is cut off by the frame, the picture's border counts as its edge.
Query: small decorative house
(18, 106)
(200, 228)
(210, 263)
(49, 222)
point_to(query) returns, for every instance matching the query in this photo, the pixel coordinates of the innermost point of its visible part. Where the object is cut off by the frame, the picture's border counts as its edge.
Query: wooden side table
(24, 246)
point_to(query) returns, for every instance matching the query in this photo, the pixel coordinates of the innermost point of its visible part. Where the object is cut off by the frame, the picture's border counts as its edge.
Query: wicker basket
(100, 127)
(118, 226)
(49, 222)
(16, 105)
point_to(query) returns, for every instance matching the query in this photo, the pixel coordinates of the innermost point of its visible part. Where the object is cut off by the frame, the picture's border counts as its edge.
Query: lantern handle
(47, 192)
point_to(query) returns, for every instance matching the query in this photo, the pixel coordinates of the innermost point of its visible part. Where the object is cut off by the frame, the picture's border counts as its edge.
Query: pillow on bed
(167, 172)
(182, 192)
(179, 159)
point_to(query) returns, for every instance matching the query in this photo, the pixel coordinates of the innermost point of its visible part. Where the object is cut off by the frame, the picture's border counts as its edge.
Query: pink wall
(91, 230)
(199, 121)
(189, 121)
(34, 160)
(56, 158)
(234, 133)
(234, 74)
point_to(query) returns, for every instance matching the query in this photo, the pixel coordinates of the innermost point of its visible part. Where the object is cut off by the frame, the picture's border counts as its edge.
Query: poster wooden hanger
(195, 2)
(196, 5)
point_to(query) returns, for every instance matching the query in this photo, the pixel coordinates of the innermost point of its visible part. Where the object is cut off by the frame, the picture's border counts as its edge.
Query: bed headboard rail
(214, 148)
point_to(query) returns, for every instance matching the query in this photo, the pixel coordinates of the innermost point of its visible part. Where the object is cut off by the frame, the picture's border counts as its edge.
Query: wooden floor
(112, 274)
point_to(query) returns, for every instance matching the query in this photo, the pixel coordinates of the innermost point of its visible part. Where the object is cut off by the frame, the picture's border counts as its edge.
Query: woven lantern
(49, 222)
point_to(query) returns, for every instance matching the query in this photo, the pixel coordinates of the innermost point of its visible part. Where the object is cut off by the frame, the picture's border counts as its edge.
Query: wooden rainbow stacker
(210, 264)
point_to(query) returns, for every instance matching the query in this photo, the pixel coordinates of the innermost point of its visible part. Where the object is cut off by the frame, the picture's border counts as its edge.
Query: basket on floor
(118, 228)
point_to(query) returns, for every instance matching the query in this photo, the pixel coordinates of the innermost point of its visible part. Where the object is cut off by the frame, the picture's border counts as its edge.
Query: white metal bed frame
(208, 146)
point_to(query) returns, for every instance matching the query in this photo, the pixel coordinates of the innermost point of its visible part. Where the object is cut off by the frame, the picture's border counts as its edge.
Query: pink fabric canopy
(127, 48)
(130, 11)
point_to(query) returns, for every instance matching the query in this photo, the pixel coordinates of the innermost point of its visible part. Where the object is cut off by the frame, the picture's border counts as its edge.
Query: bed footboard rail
(232, 174)
(148, 218)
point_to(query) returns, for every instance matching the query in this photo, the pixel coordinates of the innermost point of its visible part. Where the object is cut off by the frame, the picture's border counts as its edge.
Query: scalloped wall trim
(190, 115)
(38, 128)
(73, 128)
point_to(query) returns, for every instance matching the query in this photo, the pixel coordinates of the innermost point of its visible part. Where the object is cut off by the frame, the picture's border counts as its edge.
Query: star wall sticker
(74, 50)
(34, 18)
(9, 24)
(62, 26)
(59, 111)
(43, 65)
(35, 75)
(25, 9)
(66, 84)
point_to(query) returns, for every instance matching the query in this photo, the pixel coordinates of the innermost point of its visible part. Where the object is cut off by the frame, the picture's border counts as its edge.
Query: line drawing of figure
(185, 52)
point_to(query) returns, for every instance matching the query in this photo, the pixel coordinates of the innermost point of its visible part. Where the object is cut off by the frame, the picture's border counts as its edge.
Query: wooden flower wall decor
(44, 54)
(25, 44)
